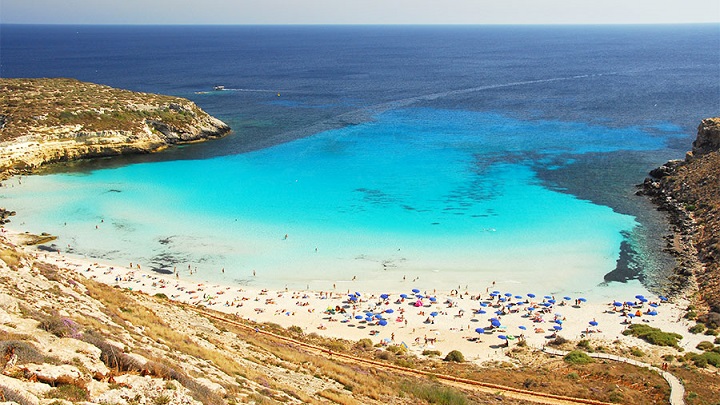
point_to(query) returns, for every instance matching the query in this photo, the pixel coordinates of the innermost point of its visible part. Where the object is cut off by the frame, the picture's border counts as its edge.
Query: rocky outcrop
(54, 120)
(688, 191)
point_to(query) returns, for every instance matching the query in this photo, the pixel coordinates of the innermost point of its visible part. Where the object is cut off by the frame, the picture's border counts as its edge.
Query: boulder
(708, 137)
(55, 375)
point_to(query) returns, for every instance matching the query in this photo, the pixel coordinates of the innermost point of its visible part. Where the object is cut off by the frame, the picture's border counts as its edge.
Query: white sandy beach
(425, 320)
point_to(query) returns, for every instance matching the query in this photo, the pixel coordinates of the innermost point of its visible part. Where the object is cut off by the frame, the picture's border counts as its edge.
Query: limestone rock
(55, 375)
(708, 137)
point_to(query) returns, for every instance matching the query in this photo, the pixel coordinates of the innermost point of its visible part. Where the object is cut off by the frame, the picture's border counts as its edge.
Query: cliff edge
(688, 190)
(53, 120)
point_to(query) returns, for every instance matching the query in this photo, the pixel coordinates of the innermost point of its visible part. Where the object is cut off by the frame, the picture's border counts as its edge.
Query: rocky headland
(689, 190)
(55, 120)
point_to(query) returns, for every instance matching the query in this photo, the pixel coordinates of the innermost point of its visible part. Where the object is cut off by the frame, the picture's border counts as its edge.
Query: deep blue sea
(461, 155)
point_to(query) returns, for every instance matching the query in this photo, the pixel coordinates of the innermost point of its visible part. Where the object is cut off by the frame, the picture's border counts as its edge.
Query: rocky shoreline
(45, 121)
(688, 191)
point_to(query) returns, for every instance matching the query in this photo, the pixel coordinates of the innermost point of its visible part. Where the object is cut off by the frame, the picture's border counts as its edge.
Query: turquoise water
(444, 195)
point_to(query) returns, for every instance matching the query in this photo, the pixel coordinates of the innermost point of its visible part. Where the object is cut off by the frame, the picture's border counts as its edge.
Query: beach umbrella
(547, 297)
(433, 299)
(663, 298)
(357, 293)
(418, 295)
(378, 316)
(552, 301)
(495, 322)
(389, 311)
(519, 297)
(628, 303)
(582, 299)
(640, 297)
(502, 299)
(492, 294)
(384, 296)
(369, 319)
(503, 337)
(654, 305)
(593, 323)
(567, 298)
(520, 303)
(617, 304)
(508, 294)
(631, 315)
(557, 327)
(546, 304)
(482, 312)
(433, 314)
(415, 290)
(496, 292)
(382, 322)
(558, 321)
(479, 330)
(498, 312)
(522, 327)
(653, 313)
(483, 304)
(531, 295)
(643, 299)
(358, 317)
(403, 295)
(369, 314)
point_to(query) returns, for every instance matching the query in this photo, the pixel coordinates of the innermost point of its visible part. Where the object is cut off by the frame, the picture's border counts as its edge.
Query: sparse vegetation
(434, 393)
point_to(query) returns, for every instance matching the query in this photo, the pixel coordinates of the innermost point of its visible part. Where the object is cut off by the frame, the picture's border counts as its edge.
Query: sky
(358, 11)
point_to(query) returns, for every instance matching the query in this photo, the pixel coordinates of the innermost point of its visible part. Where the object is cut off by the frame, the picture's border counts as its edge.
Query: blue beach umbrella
(382, 322)
(496, 292)
(369, 319)
(519, 297)
(546, 304)
(357, 293)
(498, 312)
(643, 299)
(415, 290)
(653, 313)
(503, 337)
(483, 304)
(378, 316)
(522, 327)
(353, 298)
(654, 305)
(557, 327)
(369, 314)
(582, 299)
(617, 304)
(631, 315)
(433, 314)
(593, 323)
(639, 297)
(358, 317)
(531, 295)
(629, 303)
(558, 321)
(492, 294)
(547, 297)
(502, 299)
(433, 299)
(663, 298)
(508, 294)
(479, 330)
(495, 322)
(384, 296)
(389, 311)
(482, 311)
(552, 301)
(418, 296)
(567, 298)
(403, 295)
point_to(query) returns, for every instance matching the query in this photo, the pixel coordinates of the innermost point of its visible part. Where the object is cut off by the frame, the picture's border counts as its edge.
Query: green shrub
(702, 360)
(297, 330)
(698, 328)
(637, 352)
(573, 376)
(705, 345)
(434, 393)
(397, 349)
(652, 335)
(431, 353)
(558, 341)
(578, 357)
(712, 332)
(455, 356)
(161, 296)
(717, 341)
(69, 392)
(584, 344)
(691, 315)
(364, 344)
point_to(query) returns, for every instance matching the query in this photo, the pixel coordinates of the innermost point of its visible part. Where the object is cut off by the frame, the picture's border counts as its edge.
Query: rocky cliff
(690, 191)
(51, 120)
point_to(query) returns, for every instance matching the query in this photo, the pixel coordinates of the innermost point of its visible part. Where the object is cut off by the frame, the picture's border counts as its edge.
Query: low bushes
(652, 335)
(455, 356)
(578, 357)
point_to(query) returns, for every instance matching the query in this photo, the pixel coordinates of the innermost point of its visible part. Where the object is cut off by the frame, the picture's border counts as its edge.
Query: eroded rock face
(708, 137)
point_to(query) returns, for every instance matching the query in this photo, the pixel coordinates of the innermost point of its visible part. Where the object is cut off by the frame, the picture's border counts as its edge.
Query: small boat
(218, 88)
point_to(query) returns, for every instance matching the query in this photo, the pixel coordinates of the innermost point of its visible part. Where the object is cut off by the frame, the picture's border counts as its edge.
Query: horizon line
(371, 24)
